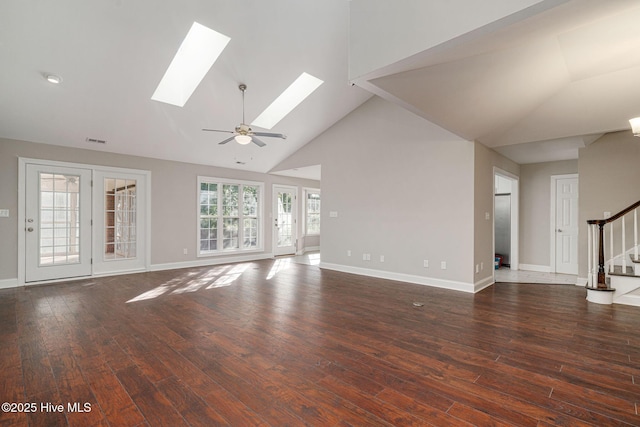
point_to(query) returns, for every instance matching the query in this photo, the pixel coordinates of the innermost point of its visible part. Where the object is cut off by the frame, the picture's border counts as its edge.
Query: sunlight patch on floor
(193, 281)
(281, 264)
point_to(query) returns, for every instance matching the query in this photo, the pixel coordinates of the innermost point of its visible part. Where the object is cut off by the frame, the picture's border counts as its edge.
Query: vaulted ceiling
(111, 54)
(536, 88)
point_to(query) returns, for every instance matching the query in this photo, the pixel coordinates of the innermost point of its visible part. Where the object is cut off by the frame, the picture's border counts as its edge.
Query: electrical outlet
(366, 257)
(443, 265)
(333, 214)
(348, 252)
(425, 264)
(4, 213)
(381, 258)
(184, 251)
(487, 216)
(481, 266)
(477, 268)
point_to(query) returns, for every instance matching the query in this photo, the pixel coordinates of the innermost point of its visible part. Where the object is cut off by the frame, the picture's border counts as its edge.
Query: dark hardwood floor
(273, 343)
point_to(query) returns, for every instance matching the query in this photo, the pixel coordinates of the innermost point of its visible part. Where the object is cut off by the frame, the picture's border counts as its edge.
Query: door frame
(22, 169)
(274, 214)
(514, 257)
(552, 221)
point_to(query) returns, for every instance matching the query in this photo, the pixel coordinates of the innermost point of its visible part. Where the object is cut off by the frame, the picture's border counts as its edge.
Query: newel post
(601, 274)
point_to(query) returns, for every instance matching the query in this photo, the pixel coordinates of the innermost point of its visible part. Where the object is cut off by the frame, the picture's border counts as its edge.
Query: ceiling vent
(98, 141)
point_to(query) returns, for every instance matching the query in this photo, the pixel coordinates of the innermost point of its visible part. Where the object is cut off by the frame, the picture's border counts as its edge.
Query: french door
(57, 223)
(82, 220)
(285, 220)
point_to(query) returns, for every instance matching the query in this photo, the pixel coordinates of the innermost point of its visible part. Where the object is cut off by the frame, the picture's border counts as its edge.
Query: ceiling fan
(243, 134)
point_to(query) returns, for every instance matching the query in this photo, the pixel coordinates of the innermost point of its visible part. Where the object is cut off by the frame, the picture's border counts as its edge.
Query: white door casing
(284, 219)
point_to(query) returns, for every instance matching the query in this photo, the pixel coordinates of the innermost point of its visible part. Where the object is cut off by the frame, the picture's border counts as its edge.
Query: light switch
(333, 214)
(4, 213)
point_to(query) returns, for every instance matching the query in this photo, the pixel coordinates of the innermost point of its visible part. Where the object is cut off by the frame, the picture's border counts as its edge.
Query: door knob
(559, 230)
(30, 229)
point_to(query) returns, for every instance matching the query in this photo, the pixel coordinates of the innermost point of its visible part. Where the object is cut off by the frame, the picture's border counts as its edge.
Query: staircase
(613, 260)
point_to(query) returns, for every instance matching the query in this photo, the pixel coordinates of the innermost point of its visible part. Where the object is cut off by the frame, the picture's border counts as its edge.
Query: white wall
(402, 188)
(486, 160)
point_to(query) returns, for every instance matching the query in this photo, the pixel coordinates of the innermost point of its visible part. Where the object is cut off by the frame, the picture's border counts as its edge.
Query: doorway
(506, 218)
(284, 220)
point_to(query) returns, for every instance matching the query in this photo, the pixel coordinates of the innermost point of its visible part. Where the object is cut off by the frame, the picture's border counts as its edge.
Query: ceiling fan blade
(226, 140)
(216, 130)
(257, 141)
(271, 135)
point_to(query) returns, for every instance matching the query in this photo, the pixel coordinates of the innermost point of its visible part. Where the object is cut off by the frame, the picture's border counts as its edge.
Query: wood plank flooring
(277, 343)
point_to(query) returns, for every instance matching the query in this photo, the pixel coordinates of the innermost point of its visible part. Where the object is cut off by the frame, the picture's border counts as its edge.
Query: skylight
(197, 53)
(287, 101)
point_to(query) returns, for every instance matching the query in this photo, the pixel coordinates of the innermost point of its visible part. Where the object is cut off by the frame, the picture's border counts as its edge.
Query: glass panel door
(284, 220)
(58, 223)
(119, 215)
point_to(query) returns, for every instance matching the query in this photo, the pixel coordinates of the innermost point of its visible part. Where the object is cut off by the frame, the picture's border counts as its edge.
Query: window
(230, 216)
(312, 211)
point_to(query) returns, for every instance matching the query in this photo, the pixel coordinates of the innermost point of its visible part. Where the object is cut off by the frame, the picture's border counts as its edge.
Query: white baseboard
(203, 262)
(401, 277)
(308, 249)
(9, 283)
(484, 283)
(582, 281)
(533, 267)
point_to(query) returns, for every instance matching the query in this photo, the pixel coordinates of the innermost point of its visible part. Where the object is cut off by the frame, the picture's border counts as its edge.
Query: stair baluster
(596, 258)
(635, 234)
(611, 247)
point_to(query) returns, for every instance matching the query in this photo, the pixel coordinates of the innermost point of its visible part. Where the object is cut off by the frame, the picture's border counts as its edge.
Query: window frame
(305, 217)
(220, 182)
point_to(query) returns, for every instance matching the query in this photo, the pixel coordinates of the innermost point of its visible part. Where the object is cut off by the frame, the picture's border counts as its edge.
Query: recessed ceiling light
(302, 87)
(197, 53)
(52, 78)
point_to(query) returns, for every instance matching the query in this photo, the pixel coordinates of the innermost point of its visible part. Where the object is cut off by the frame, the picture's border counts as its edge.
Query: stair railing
(596, 245)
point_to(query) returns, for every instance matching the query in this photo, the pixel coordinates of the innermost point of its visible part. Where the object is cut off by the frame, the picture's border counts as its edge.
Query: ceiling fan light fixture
(635, 126)
(243, 139)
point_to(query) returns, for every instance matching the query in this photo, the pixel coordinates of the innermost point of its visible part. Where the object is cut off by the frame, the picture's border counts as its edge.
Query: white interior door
(284, 220)
(57, 222)
(566, 225)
